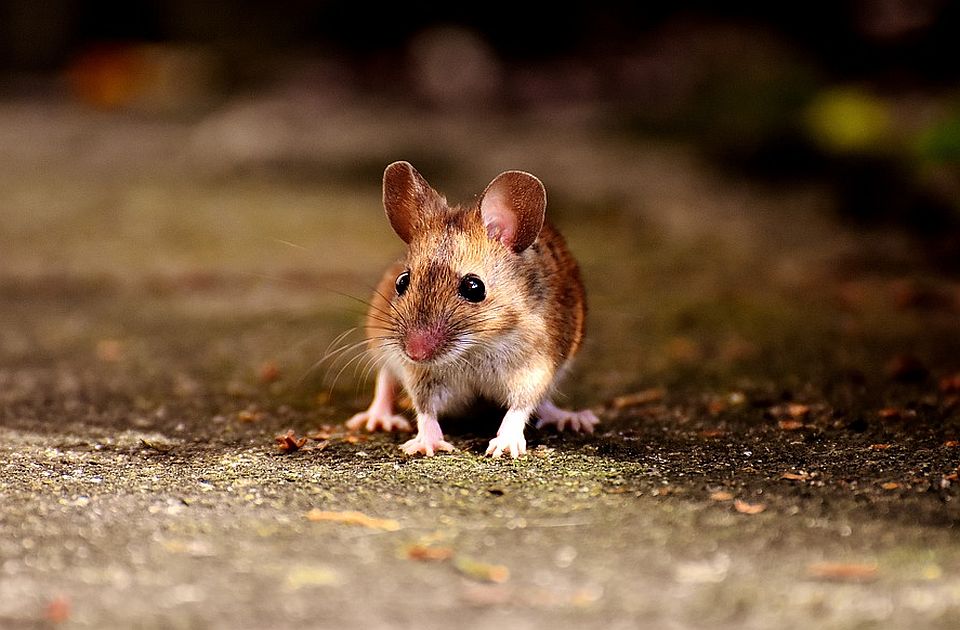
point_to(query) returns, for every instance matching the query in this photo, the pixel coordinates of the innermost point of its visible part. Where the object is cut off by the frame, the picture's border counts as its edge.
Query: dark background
(858, 96)
(897, 42)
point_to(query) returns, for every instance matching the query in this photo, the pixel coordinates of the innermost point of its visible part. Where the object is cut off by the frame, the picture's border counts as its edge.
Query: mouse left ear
(512, 208)
(405, 197)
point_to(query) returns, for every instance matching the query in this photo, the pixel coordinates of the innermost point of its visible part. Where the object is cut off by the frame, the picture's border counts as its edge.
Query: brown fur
(537, 292)
(509, 344)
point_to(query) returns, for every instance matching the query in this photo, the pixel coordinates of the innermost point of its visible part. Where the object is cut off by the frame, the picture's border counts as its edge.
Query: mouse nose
(423, 344)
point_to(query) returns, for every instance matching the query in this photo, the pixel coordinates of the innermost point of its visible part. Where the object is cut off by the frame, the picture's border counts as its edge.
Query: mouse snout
(423, 344)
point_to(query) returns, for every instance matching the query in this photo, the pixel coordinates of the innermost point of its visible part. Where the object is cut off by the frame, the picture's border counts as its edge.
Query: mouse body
(487, 302)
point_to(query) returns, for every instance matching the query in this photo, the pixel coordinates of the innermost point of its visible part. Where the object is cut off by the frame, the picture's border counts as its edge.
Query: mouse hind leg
(379, 415)
(582, 421)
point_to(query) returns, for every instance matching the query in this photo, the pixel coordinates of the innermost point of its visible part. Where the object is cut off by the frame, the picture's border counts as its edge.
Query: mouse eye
(403, 281)
(471, 288)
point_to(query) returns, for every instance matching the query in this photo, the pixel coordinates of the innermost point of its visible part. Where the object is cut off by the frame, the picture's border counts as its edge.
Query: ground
(779, 405)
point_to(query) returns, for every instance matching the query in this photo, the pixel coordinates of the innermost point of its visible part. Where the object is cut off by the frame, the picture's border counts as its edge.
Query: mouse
(487, 302)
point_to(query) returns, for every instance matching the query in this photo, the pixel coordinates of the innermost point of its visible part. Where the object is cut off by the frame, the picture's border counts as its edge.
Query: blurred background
(712, 165)
(859, 97)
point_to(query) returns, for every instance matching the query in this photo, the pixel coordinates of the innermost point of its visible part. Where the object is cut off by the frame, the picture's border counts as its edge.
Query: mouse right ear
(512, 208)
(405, 192)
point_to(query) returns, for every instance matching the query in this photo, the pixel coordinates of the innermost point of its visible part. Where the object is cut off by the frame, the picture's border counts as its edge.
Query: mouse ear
(512, 208)
(405, 192)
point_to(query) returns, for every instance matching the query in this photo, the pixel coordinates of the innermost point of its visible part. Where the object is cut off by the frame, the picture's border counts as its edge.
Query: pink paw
(373, 420)
(579, 421)
(511, 443)
(426, 446)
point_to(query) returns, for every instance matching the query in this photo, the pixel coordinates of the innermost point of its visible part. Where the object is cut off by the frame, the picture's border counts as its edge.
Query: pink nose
(422, 345)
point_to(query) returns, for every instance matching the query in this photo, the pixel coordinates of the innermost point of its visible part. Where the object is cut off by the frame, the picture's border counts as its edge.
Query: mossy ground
(158, 329)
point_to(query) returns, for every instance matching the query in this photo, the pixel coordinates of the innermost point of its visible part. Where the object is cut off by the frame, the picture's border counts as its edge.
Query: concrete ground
(780, 405)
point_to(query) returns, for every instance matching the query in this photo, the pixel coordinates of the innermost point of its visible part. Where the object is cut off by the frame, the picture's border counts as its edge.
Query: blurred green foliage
(940, 143)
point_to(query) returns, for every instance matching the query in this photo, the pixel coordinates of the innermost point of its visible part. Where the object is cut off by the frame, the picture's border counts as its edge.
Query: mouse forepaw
(426, 446)
(583, 421)
(377, 420)
(511, 443)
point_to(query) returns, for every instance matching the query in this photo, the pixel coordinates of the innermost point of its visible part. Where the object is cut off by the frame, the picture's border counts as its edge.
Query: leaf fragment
(481, 571)
(644, 397)
(843, 571)
(796, 410)
(289, 442)
(58, 610)
(428, 553)
(353, 518)
(950, 384)
(790, 425)
(157, 445)
(748, 508)
(712, 433)
(269, 372)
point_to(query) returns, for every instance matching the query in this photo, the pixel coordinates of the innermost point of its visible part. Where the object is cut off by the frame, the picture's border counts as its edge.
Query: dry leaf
(842, 572)
(428, 553)
(952, 443)
(790, 425)
(644, 397)
(109, 350)
(249, 415)
(58, 610)
(748, 508)
(880, 447)
(890, 485)
(720, 495)
(269, 372)
(353, 518)
(802, 476)
(950, 384)
(307, 576)
(683, 350)
(161, 447)
(889, 413)
(796, 410)
(482, 571)
(712, 433)
(289, 442)
(716, 407)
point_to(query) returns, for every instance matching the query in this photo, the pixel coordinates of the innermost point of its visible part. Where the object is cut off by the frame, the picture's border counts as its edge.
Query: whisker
(334, 354)
(392, 306)
(338, 339)
(289, 243)
(345, 366)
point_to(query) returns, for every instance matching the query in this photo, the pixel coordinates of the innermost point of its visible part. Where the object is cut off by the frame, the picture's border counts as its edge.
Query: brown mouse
(487, 302)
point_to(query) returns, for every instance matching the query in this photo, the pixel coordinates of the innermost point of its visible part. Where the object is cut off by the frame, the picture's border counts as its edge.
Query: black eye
(403, 281)
(471, 288)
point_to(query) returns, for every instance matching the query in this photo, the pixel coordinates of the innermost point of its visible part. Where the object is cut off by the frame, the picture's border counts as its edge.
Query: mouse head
(467, 278)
